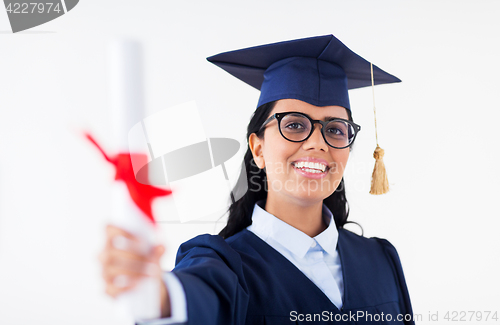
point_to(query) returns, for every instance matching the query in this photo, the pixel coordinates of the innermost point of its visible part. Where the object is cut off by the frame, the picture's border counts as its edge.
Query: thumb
(158, 251)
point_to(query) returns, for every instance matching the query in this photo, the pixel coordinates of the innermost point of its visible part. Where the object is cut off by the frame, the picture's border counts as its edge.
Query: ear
(255, 144)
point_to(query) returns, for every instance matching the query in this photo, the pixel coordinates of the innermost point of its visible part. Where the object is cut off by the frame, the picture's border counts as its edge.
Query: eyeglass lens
(297, 127)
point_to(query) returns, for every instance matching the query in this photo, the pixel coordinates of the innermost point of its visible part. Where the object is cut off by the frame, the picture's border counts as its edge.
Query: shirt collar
(267, 226)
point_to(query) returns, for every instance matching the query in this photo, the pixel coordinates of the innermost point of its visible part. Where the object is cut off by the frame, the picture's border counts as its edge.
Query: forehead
(315, 112)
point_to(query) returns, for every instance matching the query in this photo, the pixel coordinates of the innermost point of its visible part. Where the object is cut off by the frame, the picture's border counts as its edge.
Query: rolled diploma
(127, 109)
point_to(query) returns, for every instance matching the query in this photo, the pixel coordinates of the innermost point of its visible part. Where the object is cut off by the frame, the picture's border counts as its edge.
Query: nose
(316, 140)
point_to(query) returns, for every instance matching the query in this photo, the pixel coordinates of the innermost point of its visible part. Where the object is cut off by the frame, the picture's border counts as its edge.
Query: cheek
(277, 152)
(276, 162)
(340, 158)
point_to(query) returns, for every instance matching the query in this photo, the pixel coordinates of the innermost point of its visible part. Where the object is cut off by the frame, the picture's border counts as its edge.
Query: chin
(311, 196)
(306, 190)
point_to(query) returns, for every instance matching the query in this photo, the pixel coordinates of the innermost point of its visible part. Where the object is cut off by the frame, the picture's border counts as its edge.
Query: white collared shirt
(316, 257)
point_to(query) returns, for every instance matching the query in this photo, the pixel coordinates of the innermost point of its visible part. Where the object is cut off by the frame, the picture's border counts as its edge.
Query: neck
(307, 217)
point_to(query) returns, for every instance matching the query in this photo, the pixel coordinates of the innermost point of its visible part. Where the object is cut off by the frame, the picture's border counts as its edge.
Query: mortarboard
(317, 70)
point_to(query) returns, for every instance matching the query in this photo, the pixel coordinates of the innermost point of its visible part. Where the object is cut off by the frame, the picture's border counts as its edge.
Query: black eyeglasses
(297, 127)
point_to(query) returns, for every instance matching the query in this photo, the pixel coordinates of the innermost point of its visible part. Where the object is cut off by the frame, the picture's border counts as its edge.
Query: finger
(111, 291)
(117, 254)
(114, 291)
(125, 242)
(130, 267)
(135, 271)
(121, 281)
(111, 255)
(124, 282)
(102, 257)
(157, 252)
(123, 261)
(112, 231)
(120, 285)
(161, 249)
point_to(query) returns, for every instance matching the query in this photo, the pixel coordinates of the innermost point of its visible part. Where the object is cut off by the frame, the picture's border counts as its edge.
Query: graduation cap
(317, 70)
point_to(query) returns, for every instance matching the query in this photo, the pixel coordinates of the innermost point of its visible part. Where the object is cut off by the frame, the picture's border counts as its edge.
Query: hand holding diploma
(124, 264)
(130, 258)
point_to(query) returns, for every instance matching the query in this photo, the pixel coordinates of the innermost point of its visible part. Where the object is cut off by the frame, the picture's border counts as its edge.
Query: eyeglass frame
(280, 116)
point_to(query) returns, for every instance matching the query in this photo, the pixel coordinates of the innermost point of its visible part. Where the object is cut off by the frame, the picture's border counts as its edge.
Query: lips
(311, 162)
(311, 167)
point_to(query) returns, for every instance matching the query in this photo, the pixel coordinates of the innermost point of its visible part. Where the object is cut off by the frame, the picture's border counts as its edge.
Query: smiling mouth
(309, 167)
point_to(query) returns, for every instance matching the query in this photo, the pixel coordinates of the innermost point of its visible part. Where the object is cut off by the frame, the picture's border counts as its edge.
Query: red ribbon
(141, 194)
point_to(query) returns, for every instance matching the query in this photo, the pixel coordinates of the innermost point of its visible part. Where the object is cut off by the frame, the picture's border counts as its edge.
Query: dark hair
(240, 212)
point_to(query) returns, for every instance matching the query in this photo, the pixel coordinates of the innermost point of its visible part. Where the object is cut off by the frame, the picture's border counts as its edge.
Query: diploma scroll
(127, 108)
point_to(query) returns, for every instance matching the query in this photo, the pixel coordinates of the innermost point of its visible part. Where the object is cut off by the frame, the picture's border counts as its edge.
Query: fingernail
(121, 281)
(151, 269)
(120, 242)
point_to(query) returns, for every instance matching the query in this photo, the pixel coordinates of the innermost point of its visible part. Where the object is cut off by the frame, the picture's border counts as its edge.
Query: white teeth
(311, 167)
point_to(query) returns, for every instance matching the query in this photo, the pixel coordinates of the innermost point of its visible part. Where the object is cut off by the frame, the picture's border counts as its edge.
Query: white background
(438, 128)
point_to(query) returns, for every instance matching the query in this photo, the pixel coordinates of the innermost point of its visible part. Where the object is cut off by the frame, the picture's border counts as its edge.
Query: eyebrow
(328, 118)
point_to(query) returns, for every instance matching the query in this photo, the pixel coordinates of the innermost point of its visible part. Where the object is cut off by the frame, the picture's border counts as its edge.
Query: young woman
(284, 257)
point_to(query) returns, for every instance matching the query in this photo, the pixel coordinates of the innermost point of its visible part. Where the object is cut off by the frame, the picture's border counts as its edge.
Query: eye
(294, 126)
(336, 131)
(295, 123)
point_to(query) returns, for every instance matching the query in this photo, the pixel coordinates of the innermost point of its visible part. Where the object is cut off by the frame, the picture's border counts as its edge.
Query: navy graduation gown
(243, 280)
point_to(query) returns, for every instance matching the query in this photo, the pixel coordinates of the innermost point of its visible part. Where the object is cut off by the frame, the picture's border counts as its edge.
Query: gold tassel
(380, 184)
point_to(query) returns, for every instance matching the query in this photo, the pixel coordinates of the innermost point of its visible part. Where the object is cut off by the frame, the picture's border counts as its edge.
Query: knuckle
(110, 230)
(103, 256)
(110, 291)
(106, 275)
(106, 260)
